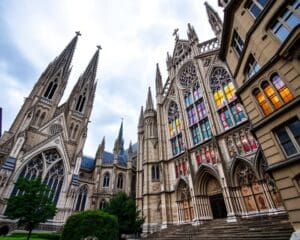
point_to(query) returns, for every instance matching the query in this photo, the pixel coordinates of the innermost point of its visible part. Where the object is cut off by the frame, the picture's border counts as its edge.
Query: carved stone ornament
(188, 75)
(55, 129)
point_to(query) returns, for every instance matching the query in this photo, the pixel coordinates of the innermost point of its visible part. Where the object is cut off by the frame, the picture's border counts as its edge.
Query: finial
(99, 47)
(175, 33)
(78, 33)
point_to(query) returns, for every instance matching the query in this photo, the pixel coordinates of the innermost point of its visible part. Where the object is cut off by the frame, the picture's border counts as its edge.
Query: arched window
(106, 180)
(274, 92)
(53, 176)
(81, 199)
(271, 94)
(155, 173)
(174, 129)
(42, 118)
(36, 117)
(120, 181)
(280, 86)
(262, 101)
(75, 132)
(71, 129)
(197, 114)
(52, 86)
(230, 110)
(102, 204)
(80, 102)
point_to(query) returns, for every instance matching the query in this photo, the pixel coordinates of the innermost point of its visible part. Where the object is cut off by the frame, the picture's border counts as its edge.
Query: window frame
(236, 41)
(290, 135)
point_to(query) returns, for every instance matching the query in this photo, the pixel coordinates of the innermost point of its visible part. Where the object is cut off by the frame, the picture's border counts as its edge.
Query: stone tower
(46, 139)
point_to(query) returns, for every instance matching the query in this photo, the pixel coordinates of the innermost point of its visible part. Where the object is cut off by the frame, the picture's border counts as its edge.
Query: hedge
(91, 223)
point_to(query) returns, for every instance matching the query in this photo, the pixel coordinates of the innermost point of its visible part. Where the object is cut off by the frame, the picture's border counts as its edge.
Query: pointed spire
(149, 103)
(141, 118)
(130, 150)
(101, 148)
(66, 56)
(158, 81)
(214, 20)
(120, 136)
(91, 70)
(119, 143)
(192, 35)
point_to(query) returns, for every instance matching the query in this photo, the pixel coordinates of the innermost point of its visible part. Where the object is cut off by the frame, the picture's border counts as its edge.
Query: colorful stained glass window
(271, 94)
(196, 134)
(262, 102)
(284, 92)
(226, 119)
(238, 113)
(198, 159)
(219, 98)
(201, 109)
(229, 91)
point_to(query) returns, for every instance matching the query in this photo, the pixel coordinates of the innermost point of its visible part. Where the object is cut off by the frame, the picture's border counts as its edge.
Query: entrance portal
(214, 192)
(218, 206)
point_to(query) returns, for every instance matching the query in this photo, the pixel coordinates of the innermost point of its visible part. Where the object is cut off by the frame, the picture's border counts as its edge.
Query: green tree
(91, 223)
(32, 206)
(128, 215)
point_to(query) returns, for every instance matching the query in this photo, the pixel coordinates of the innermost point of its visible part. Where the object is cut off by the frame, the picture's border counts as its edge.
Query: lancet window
(197, 115)
(52, 86)
(49, 167)
(175, 129)
(230, 110)
(81, 198)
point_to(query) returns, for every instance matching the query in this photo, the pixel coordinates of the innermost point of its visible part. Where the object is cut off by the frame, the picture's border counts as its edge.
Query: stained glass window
(201, 109)
(196, 134)
(271, 95)
(280, 86)
(230, 110)
(262, 102)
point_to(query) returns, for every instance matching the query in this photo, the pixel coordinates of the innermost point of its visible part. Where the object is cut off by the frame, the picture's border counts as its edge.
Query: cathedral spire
(158, 81)
(119, 143)
(214, 20)
(82, 95)
(141, 119)
(149, 103)
(101, 148)
(192, 35)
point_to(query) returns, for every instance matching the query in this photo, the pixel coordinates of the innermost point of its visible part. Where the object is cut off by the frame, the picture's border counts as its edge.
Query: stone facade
(46, 140)
(199, 138)
(265, 66)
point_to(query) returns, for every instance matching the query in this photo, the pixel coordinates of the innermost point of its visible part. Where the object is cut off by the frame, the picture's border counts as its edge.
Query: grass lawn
(34, 236)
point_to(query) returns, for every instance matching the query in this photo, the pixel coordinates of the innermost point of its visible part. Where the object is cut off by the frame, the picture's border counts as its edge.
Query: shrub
(93, 223)
(128, 215)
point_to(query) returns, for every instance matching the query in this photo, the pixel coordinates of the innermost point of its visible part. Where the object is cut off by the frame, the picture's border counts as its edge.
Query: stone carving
(188, 75)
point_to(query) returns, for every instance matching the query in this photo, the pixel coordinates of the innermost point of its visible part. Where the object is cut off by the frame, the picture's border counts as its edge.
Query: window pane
(263, 2)
(286, 142)
(295, 129)
(282, 33)
(255, 10)
(293, 20)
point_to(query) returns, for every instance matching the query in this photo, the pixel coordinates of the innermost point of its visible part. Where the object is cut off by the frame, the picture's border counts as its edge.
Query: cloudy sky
(134, 34)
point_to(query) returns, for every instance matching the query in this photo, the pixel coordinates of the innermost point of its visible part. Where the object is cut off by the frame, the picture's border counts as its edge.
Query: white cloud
(134, 36)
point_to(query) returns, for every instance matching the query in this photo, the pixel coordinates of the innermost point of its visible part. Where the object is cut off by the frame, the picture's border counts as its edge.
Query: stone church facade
(197, 157)
(46, 140)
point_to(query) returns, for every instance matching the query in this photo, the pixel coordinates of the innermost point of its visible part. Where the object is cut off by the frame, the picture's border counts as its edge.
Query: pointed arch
(175, 128)
(50, 90)
(41, 119)
(229, 108)
(36, 117)
(106, 179)
(203, 175)
(81, 198)
(120, 181)
(48, 165)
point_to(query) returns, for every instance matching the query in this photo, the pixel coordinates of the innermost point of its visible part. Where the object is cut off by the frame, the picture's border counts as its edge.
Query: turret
(214, 20)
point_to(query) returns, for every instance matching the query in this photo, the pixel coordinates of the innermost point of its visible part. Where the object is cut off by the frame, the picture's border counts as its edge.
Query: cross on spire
(99, 47)
(175, 33)
(78, 33)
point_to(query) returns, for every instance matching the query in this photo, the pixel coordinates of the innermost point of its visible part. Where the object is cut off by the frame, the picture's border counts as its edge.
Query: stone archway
(184, 202)
(217, 203)
(209, 195)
